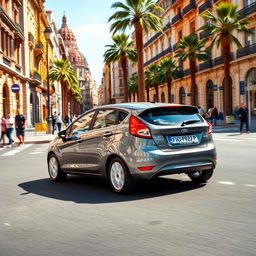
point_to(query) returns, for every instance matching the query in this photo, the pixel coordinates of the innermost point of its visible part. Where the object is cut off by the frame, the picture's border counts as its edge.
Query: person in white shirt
(10, 129)
(59, 122)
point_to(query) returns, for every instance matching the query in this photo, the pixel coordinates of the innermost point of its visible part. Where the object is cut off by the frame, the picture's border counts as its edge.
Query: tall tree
(121, 50)
(133, 85)
(190, 48)
(139, 14)
(65, 74)
(223, 26)
(154, 76)
(168, 72)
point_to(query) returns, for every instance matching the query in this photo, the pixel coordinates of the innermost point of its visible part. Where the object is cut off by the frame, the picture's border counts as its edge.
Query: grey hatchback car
(132, 141)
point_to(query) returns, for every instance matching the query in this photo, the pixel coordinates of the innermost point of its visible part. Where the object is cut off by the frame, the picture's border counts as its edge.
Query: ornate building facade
(182, 18)
(79, 63)
(12, 58)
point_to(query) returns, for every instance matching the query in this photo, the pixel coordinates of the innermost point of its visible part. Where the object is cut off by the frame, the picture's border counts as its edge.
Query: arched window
(209, 95)
(182, 96)
(162, 97)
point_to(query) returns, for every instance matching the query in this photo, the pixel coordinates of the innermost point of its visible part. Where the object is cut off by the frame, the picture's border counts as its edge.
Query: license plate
(182, 140)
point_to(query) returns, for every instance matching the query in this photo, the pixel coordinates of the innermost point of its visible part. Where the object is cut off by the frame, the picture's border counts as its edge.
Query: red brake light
(209, 128)
(146, 168)
(139, 129)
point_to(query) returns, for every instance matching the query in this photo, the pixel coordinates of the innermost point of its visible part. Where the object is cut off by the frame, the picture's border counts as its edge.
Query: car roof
(138, 106)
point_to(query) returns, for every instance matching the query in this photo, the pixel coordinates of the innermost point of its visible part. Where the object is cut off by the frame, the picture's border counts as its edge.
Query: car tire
(201, 176)
(119, 177)
(54, 169)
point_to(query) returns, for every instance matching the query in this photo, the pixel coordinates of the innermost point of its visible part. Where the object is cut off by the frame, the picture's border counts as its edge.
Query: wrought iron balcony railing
(220, 60)
(189, 7)
(205, 6)
(247, 50)
(177, 18)
(205, 65)
(247, 10)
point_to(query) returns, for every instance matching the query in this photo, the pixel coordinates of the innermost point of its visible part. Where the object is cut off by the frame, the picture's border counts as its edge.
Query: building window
(250, 38)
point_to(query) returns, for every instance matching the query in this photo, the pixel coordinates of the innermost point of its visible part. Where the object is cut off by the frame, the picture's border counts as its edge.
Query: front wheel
(200, 176)
(55, 172)
(120, 178)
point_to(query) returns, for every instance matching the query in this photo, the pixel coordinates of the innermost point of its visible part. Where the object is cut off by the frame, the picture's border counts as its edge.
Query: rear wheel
(200, 176)
(55, 172)
(120, 178)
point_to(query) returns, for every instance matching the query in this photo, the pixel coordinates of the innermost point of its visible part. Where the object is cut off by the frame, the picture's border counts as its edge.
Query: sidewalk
(223, 127)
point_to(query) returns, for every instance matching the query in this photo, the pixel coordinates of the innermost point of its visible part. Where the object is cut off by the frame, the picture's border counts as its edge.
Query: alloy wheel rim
(117, 176)
(53, 167)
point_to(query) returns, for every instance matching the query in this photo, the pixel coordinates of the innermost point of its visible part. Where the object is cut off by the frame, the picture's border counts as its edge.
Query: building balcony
(31, 38)
(167, 26)
(247, 50)
(153, 38)
(189, 7)
(205, 65)
(204, 34)
(186, 72)
(205, 6)
(220, 60)
(168, 50)
(19, 29)
(177, 18)
(247, 10)
(7, 62)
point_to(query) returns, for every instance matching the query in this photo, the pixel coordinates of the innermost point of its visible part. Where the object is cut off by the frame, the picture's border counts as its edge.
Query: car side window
(105, 118)
(82, 125)
(121, 116)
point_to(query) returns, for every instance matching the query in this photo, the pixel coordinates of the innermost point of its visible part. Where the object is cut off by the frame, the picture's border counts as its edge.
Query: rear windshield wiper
(189, 122)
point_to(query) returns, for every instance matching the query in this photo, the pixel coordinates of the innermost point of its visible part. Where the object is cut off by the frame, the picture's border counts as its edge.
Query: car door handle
(108, 134)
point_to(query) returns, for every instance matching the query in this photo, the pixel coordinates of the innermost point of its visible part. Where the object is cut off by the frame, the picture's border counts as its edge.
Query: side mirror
(62, 134)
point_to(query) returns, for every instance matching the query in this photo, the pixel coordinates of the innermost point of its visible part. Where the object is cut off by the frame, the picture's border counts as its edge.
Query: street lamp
(47, 34)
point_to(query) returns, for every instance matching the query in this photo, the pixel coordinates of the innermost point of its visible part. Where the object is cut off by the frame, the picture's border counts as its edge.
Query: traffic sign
(15, 88)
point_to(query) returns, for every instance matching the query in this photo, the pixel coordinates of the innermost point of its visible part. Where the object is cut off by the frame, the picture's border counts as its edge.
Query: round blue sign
(15, 88)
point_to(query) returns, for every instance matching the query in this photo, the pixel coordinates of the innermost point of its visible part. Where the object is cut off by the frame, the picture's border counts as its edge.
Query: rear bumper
(166, 163)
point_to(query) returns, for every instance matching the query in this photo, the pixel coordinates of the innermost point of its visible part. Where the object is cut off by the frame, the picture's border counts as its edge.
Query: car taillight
(209, 128)
(139, 129)
(146, 168)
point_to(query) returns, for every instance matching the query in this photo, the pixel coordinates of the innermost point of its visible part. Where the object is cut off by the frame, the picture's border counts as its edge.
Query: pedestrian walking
(20, 124)
(67, 120)
(3, 130)
(10, 129)
(214, 116)
(54, 121)
(244, 117)
(59, 122)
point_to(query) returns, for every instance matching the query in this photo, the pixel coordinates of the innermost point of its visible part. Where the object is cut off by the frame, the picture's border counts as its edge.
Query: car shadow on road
(97, 191)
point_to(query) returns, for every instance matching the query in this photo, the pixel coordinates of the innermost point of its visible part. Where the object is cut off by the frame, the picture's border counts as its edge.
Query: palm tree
(153, 78)
(139, 14)
(222, 27)
(65, 74)
(168, 72)
(133, 85)
(191, 48)
(121, 50)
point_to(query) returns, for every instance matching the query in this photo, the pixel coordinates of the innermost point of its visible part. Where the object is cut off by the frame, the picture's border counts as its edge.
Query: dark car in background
(132, 141)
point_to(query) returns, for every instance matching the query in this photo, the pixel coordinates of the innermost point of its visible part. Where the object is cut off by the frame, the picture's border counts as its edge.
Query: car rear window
(171, 115)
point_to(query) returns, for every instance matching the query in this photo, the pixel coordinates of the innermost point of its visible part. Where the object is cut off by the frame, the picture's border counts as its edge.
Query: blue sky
(88, 20)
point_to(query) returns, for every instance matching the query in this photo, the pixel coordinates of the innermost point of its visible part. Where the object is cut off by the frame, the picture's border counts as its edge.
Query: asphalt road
(168, 216)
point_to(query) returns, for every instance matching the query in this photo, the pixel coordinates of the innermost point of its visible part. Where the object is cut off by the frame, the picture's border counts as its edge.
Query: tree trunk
(169, 80)
(192, 66)
(123, 61)
(147, 89)
(157, 94)
(227, 79)
(130, 97)
(134, 100)
(139, 47)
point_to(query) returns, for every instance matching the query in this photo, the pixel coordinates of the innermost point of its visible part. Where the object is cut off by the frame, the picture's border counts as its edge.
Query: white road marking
(35, 153)
(16, 151)
(230, 140)
(227, 183)
(250, 185)
(7, 224)
(1, 149)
